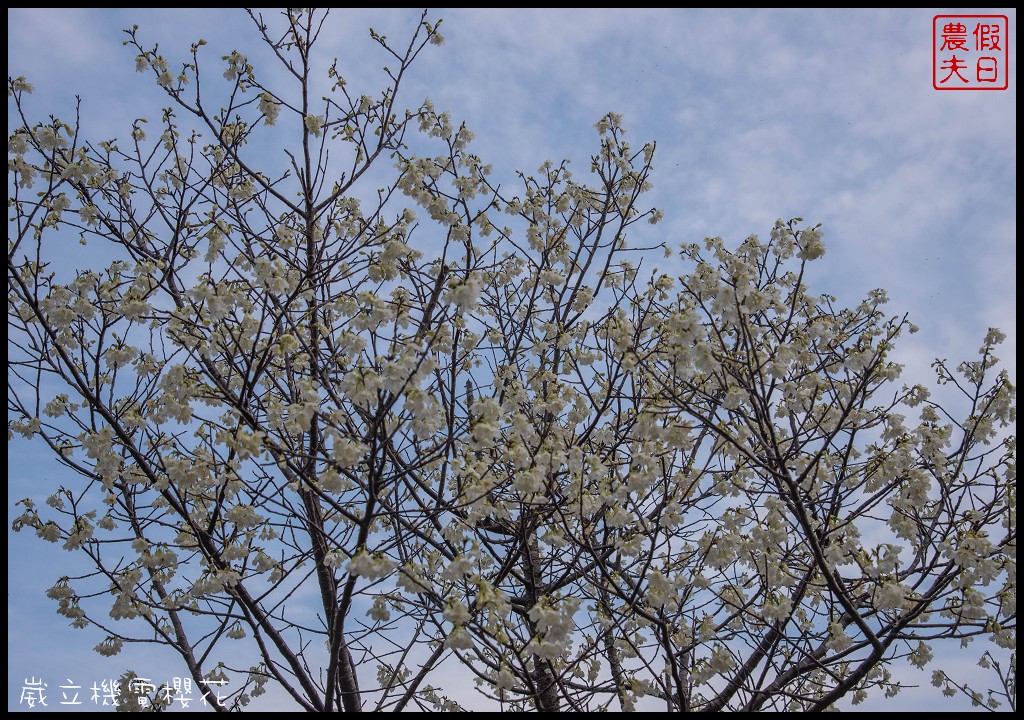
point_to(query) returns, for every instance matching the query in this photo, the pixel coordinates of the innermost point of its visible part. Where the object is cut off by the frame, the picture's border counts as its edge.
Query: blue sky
(827, 115)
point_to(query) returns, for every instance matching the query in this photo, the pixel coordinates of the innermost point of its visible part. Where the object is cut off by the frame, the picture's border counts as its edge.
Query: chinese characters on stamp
(970, 52)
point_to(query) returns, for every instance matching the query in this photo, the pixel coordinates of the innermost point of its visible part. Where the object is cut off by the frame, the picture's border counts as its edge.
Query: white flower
(17, 144)
(838, 640)
(237, 64)
(459, 639)
(618, 517)
(315, 124)
(552, 277)
(921, 655)
(347, 453)
(465, 294)
(49, 531)
(370, 566)
(125, 607)
(459, 568)
(659, 589)
(379, 610)
(994, 336)
(20, 84)
(554, 620)
(244, 516)
(411, 580)
(26, 429)
(811, 246)
(269, 108)
(504, 680)
(456, 612)
(777, 611)
(119, 355)
(60, 590)
(248, 444)
(890, 596)
(263, 562)
(721, 661)
(109, 647)
(734, 398)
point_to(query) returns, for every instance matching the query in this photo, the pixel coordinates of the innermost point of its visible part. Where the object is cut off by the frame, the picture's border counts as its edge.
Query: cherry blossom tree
(337, 402)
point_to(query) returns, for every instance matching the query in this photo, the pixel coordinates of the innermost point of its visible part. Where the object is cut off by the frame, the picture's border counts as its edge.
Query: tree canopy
(341, 414)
